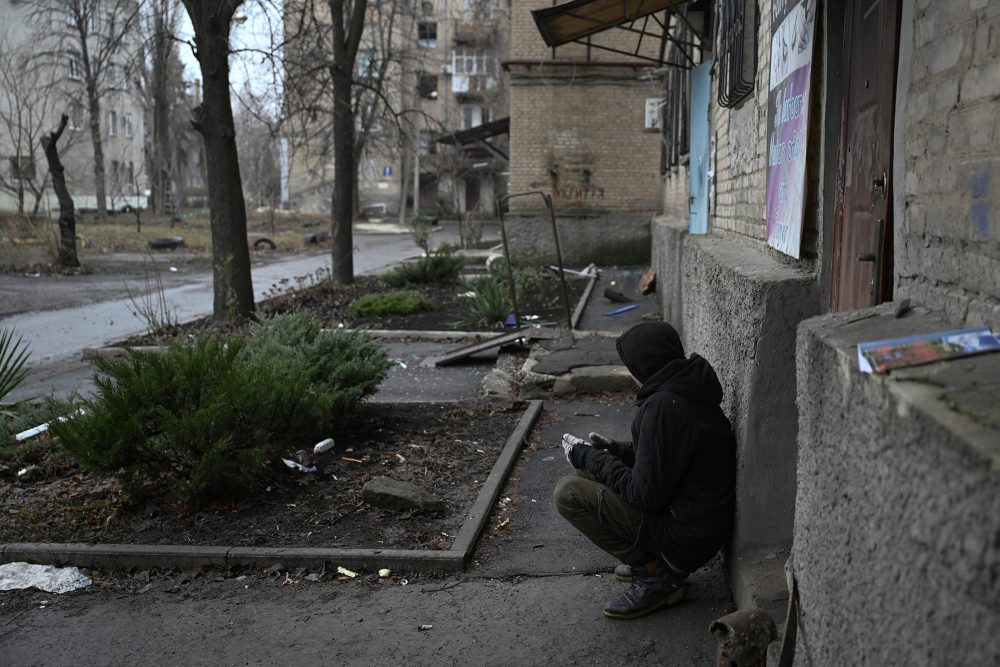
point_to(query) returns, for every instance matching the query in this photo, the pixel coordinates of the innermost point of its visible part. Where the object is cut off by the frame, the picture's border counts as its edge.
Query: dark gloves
(607, 444)
(576, 450)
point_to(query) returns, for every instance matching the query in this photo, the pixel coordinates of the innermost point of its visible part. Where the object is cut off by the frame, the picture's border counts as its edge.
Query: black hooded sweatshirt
(681, 471)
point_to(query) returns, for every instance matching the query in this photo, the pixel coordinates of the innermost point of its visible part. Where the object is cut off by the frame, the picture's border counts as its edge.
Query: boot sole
(623, 578)
(668, 601)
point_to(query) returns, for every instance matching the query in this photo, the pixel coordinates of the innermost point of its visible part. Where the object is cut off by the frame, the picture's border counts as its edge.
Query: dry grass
(25, 241)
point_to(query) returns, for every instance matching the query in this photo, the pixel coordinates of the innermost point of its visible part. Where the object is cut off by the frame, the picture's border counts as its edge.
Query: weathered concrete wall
(897, 523)
(668, 234)
(610, 239)
(741, 309)
(947, 183)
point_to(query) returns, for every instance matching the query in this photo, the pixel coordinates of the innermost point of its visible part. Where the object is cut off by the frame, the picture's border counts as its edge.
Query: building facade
(437, 66)
(41, 50)
(838, 187)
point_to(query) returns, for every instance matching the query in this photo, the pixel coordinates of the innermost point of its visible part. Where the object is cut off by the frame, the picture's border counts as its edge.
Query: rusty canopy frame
(577, 20)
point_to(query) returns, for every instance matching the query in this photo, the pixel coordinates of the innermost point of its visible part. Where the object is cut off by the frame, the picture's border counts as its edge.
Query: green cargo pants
(604, 518)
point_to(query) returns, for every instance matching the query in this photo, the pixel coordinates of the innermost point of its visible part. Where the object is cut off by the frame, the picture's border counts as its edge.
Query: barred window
(736, 35)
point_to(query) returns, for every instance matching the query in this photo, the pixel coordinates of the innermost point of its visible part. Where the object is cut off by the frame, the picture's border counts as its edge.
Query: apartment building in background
(444, 79)
(45, 80)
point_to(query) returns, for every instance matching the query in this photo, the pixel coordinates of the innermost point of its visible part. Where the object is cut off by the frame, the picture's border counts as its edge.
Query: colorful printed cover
(880, 356)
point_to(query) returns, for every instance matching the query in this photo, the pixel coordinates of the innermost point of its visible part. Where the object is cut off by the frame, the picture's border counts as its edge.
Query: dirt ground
(446, 449)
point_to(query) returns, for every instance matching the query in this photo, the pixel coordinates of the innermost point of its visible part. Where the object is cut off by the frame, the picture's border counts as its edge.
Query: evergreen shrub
(439, 269)
(204, 420)
(390, 303)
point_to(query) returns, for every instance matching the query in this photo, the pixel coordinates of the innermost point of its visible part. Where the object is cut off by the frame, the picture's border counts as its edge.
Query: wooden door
(862, 255)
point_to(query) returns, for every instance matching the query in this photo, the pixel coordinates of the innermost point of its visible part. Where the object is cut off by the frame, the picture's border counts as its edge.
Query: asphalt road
(67, 319)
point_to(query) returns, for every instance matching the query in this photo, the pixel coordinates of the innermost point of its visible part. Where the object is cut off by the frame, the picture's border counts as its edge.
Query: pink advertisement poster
(793, 30)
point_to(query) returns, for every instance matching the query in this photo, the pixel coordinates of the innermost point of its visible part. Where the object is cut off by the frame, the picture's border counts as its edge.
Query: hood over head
(647, 347)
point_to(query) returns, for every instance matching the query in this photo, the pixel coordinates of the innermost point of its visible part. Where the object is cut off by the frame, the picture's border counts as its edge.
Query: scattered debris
(42, 428)
(384, 572)
(314, 576)
(503, 524)
(323, 446)
(616, 296)
(48, 578)
(173, 269)
(348, 458)
(619, 311)
(399, 362)
(503, 503)
(647, 284)
(400, 458)
(350, 574)
(425, 627)
(298, 466)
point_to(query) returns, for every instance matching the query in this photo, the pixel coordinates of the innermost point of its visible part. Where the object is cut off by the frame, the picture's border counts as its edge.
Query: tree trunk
(233, 291)
(94, 108)
(67, 217)
(160, 173)
(347, 28)
(344, 171)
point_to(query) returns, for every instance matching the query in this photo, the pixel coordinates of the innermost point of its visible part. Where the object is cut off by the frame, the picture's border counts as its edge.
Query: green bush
(203, 420)
(441, 269)
(489, 305)
(390, 303)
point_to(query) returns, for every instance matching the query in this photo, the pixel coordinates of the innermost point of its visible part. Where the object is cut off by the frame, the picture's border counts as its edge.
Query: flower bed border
(145, 556)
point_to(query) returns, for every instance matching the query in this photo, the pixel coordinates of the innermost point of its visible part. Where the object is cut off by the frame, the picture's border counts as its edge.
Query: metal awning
(478, 136)
(577, 20)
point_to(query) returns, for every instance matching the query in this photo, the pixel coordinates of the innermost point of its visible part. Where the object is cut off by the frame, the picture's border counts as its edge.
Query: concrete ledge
(897, 518)
(741, 308)
(143, 556)
(668, 234)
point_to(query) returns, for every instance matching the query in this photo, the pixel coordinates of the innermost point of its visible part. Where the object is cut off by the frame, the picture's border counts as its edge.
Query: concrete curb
(145, 556)
(582, 303)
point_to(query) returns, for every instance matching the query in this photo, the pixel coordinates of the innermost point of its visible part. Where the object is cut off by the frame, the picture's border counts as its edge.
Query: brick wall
(948, 236)
(584, 143)
(577, 127)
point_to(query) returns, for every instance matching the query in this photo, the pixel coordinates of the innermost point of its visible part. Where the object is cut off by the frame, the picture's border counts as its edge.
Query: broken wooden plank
(490, 343)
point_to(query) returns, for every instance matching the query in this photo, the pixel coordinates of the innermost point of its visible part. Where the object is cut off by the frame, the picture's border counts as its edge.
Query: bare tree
(342, 61)
(99, 32)
(257, 126)
(67, 216)
(162, 82)
(233, 289)
(28, 100)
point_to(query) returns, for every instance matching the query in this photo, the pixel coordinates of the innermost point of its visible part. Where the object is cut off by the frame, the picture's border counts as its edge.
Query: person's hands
(603, 442)
(573, 447)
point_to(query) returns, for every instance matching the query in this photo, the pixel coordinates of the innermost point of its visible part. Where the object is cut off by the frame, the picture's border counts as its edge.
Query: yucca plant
(489, 305)
(13, 356)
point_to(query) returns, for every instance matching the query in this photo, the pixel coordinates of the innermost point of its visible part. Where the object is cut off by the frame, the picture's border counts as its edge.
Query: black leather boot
(649, 591)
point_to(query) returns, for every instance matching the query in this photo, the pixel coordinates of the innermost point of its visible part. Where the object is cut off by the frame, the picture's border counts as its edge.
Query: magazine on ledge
(880, 356)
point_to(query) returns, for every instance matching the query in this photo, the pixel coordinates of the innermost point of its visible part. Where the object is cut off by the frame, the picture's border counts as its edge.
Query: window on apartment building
(472, 116)
(477, 9)
(76, 116)
(127, 125)
(73, 62)
(112, 123)
(115, 172)
(427, 144)
(427, 86)
(367, 63)
(131, 171)
(427, 34)
(736, 27)
(22, 168)
(466, 61)
(427, 7)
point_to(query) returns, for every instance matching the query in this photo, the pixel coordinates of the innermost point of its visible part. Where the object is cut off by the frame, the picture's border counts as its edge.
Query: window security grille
(736, 32)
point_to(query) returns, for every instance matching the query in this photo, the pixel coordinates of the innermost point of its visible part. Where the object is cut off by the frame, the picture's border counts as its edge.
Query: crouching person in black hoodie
(663, 506)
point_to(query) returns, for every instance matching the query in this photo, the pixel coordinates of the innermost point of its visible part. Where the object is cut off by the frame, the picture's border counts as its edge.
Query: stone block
(392, 494)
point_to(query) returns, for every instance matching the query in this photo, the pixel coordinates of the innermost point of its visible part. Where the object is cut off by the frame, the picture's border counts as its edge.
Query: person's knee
(567, 493)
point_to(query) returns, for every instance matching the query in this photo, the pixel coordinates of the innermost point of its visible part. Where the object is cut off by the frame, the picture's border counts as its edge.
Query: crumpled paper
(48, 578)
